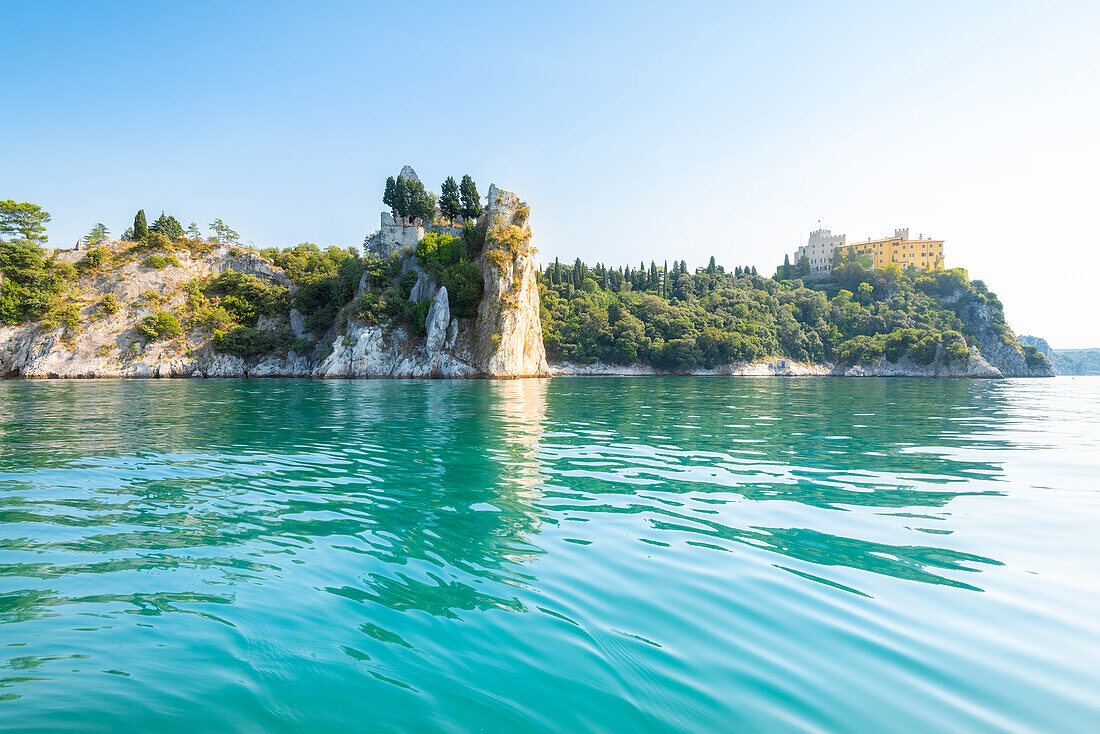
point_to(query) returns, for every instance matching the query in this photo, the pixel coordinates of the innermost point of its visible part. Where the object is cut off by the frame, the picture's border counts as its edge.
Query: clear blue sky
(637, 131)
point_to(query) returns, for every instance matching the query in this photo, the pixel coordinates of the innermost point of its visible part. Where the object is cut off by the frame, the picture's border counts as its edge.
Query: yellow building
(921, 252)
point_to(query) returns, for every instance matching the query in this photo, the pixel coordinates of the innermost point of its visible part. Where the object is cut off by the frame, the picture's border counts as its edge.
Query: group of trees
(167, 226)
(408, 198)
(677, 320)
(30, 281)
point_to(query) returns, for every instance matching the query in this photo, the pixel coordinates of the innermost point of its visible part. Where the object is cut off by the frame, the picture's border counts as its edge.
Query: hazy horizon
(636, 132)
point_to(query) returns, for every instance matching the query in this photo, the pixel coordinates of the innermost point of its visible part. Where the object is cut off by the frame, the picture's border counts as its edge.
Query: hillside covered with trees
(676, 320)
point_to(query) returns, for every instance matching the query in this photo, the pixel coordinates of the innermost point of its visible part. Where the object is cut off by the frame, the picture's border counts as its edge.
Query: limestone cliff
(509, 333)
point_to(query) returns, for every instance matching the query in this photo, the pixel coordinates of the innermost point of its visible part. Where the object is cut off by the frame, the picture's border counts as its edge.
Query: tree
(421, 202)
(168, 226)
(401, 198)
(390, 196)
(97, 234)
(222, 232)
(803, 266)
(450, 204)
(141, 229)
(754, 270)
(471, 200)
(557, 272)
(24, 219)
(193, 231)
(712, 266)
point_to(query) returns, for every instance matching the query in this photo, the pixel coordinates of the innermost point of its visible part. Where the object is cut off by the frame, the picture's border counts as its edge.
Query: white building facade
(819, 250)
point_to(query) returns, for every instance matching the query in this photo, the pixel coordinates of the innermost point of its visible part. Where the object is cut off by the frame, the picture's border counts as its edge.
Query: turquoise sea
(588, 554)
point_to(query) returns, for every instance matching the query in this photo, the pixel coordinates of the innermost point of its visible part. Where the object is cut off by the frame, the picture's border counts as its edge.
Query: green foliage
(158, 262)
(450, 204)
(140, 229)
(389, 196)
(161, 325)
(437, 250)
(246, 297)
(418, 315)
(247, 342)
(97, 235)
(223, 233)
(168, 226)
(464, 288)
(24, 219)
(156, 241)
(675, 320)
(31, 284)
(471, 200)
(94, 260)
(327, 281)
(108, 305)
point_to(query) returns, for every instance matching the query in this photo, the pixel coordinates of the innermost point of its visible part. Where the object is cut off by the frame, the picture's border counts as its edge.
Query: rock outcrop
(509, 332)
(998, 344)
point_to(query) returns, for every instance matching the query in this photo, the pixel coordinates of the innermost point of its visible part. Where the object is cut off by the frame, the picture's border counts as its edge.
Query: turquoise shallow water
(654, 554)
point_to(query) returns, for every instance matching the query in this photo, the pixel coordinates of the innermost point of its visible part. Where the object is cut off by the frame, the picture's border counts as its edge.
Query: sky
(636, 131)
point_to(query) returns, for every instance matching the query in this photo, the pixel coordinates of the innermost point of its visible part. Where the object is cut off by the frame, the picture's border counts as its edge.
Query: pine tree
(141, 229)
(450, 205)
(471, 200)
(193, 231)
(754, 270)
(96, 235)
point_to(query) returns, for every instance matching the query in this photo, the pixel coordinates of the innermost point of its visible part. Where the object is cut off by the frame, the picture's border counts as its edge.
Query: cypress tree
(712, 267)
(557, 272)
(401, 197)
(471, 200)
(683, 266)
(390, 196)
(141, 229)
(449, 202)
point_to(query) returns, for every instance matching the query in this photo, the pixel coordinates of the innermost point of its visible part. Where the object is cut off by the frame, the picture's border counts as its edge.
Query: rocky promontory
(195, 309)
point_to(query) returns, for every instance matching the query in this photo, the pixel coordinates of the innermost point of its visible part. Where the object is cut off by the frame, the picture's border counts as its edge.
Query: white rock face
(408, 174)
(509, 333)
(438, 321)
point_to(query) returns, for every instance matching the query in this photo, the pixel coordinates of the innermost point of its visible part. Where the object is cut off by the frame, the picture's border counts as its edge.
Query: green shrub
(161, 325)
(157, 241)
(108, 305)
(437, 250)
(417, 315)
(924, 351)
(247, 297)
(1034, 358)
(464, 288)
(244, 341)
(247, 342)
(94, 260)
(155, 262)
